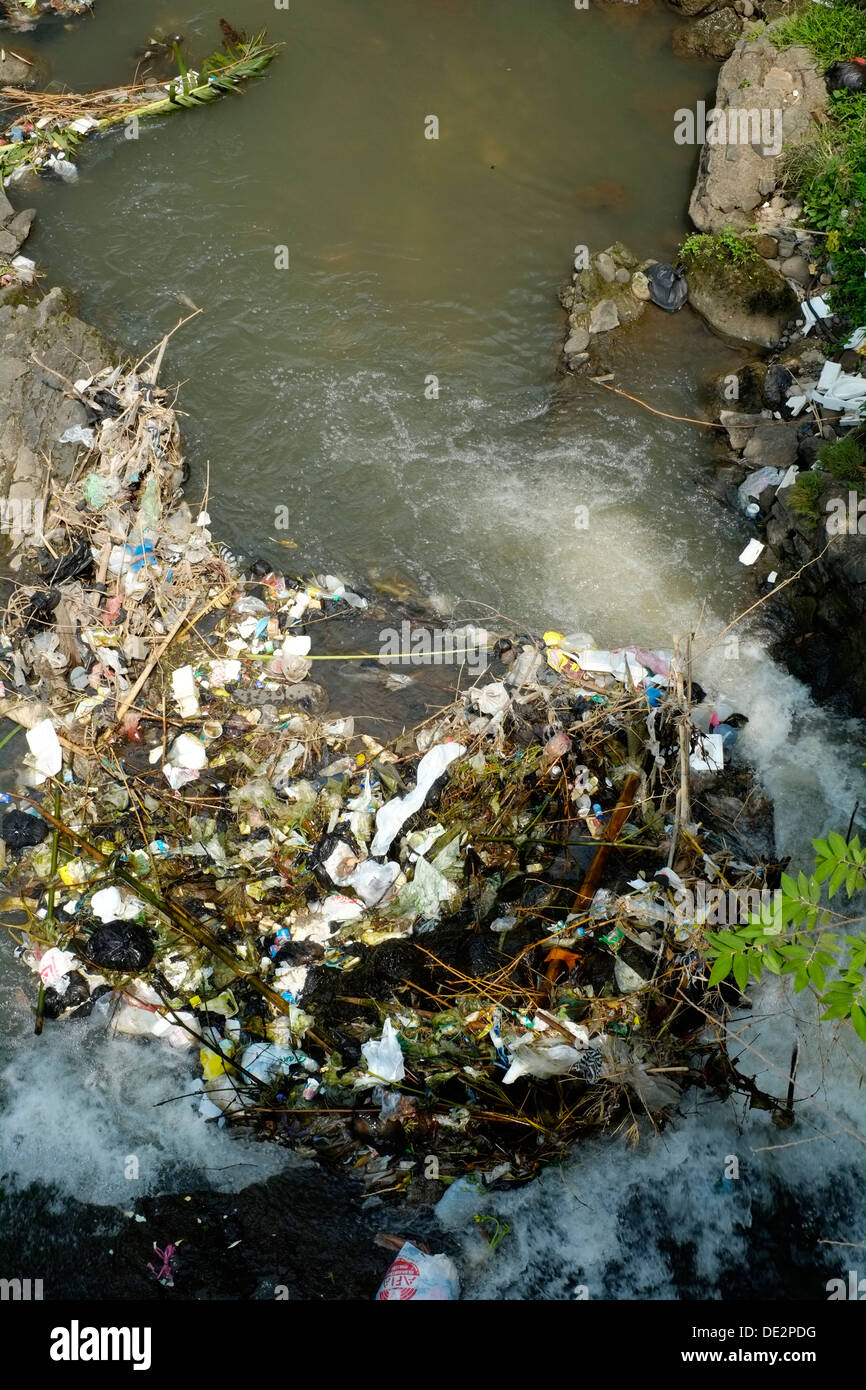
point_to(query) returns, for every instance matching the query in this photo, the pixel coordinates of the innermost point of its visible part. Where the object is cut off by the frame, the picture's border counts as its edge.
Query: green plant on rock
(721, 248)
(846, 459)
(805, 937)
(803, 497)
(828, 169)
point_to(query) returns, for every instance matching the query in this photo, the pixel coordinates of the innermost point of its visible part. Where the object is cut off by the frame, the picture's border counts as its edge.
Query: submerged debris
(48, 127)
(454, 951)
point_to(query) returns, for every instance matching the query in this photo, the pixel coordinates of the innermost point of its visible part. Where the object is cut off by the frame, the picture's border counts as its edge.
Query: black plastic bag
(78, 564)
(40, 610)
(846, 77)
(77, 991)
(667, 286)
(119, 945)
(22, 831)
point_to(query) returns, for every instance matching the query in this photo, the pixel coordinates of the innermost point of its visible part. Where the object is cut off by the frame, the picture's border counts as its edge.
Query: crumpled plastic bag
(544, 1052)
(396, 812)
(384, 1058)
(425, 1278)
(45, 758)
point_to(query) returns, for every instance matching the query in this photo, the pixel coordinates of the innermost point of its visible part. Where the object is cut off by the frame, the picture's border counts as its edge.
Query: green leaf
(837, 845)
(839, 876)
(741, 971)
(858, 1018)
(721, 968)
(816, 975)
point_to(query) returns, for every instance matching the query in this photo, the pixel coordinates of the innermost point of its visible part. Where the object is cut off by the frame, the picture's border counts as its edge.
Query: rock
(16, 73)
(578, 341)
(33, 412)
(777, 384)
(772, 445)
(19, 225)
(9, 244)
(696, 7)
(786, 249)
(622, 275)
(606, 266)
(603, 317)
(796, 268)
(578, 360)
(734, 180)
(740, 426)
(748, 9)
(713, 36)
(640, 286)
(766, 246)
(746, 303)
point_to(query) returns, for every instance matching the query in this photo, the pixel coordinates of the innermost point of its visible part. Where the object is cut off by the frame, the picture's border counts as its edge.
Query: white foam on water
(78, 1106)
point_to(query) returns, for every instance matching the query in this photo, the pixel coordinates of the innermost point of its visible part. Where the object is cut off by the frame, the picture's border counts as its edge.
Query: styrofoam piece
(796, 403)
(858, 337)
(789, 478)
(829, 372)
(751, 552)
(813, 310)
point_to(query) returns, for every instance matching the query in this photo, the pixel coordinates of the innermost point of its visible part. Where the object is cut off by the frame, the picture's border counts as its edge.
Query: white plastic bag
(428, 1278)
(384, 1058)
(397, 811)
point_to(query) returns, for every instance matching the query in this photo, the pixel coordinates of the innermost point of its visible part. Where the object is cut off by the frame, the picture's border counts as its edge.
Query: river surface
(304, 388)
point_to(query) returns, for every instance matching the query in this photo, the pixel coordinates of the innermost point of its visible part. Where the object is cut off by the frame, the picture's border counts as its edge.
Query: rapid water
(305, 389)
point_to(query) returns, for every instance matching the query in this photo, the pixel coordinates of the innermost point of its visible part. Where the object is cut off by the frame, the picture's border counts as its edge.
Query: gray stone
(766, 246)
(696, 7)
(786, 248)
(33, 412)
(622, 275)
(772, 445)
(747, 303)
(733, 179)
(740, 426)
(605, 266)
(9, 243)
(603, 317)
(713, 36)
(577, 341)
(19, 225)
(796, 268)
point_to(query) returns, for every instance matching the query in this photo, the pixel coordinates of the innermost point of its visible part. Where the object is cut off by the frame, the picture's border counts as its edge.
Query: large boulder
(736, 178)
(746, 303)
(712, 36)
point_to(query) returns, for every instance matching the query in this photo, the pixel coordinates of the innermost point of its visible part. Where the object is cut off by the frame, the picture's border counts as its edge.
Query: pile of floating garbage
(24, 14)
(47, 128)
(473, 942)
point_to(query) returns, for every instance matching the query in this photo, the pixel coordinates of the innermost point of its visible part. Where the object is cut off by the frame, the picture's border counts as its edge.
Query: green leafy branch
(795, 940)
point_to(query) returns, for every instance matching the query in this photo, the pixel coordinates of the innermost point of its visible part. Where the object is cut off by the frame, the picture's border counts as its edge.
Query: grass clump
(803, 497)
(834, 32)
(846, 460)
(719, 248)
